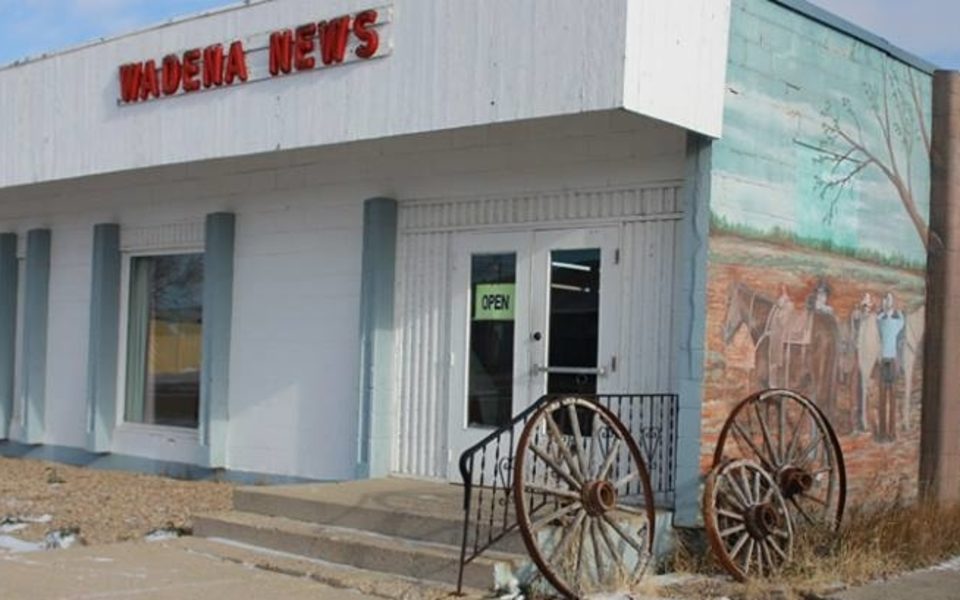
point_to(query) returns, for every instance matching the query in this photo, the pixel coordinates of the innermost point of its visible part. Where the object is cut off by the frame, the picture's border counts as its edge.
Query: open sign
(494, 301)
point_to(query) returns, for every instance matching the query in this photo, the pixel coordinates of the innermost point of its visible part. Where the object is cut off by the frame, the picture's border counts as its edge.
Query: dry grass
(875, 542)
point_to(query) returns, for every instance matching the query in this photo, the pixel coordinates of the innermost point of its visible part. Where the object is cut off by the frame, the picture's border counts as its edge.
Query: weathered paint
(104, 337)
(811, 223)
(690, 322)
(375, 442)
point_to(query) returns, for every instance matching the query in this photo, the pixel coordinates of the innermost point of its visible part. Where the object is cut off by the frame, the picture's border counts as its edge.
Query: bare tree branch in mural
(896, 119)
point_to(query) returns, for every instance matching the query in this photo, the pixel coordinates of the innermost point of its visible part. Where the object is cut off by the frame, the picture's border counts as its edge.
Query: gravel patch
(38, 498)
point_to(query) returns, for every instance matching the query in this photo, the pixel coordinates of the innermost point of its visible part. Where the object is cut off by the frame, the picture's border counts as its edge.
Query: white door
(575, 312)
(532, 313)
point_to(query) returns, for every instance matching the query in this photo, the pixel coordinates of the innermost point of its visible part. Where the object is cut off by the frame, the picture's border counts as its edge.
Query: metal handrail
(651, 419)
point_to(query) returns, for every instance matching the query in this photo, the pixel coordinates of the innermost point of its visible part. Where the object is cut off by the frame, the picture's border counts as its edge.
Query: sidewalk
(939, 583)
(157, 571)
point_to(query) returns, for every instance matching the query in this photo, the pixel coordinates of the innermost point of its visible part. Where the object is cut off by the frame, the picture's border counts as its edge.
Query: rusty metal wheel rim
(576, 483)
(810, 473)
(748, 523)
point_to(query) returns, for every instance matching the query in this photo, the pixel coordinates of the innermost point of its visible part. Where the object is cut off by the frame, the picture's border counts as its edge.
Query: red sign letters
(309, 46)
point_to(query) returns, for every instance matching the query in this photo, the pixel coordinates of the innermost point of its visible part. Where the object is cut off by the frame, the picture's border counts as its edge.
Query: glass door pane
(493, 284)
(574, 319)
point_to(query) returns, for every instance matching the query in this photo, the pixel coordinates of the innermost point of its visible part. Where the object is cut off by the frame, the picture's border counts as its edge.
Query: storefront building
(293, 241)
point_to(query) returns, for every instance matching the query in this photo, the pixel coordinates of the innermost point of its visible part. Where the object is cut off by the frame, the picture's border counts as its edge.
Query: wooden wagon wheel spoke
(766, 435)
(611, 547)
(597, 556)
(800, 452)
(593, 470)
(626, 480)
(578, 439)
(604, 471)
(557, 514)
(557, 437)
(546, 458)
(557, 493)
(756, 537)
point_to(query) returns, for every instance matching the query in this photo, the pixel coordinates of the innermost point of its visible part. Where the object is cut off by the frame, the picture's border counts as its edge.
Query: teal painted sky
(787, 79)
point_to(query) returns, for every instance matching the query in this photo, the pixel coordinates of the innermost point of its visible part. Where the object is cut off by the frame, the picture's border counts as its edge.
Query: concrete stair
(402, 527)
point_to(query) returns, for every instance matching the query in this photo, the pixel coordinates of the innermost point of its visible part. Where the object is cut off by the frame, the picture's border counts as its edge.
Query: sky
(32, 27)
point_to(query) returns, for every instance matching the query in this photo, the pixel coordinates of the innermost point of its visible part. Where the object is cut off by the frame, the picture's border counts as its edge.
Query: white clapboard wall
(650, 227)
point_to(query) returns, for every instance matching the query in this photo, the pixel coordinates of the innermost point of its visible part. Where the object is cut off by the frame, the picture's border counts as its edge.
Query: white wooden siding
(649, 216)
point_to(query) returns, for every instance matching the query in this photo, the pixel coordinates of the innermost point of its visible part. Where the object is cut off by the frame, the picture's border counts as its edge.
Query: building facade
(345, 241)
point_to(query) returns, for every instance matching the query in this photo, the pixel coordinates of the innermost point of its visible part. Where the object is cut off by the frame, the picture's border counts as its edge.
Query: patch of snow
(12, 527)
(61, 539)
(162, 535)
(951, 565)
(13, 544)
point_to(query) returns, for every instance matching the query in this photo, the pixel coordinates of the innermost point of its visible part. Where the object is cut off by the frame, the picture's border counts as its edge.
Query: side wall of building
(819, 211)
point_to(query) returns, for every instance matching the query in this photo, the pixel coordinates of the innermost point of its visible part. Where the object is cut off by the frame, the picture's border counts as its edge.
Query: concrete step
(408, 509)
(350, 579)
(352, 547)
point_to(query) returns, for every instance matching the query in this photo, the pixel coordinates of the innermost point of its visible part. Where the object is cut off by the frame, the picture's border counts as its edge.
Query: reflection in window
(493, 293)
(164, 340)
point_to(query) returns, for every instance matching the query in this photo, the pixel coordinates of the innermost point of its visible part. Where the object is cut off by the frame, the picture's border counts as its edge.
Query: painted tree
(887, 137)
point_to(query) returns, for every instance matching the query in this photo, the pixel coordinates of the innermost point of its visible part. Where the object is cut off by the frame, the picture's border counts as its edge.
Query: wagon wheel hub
(794, 481)
(599, 497)
(762, 520)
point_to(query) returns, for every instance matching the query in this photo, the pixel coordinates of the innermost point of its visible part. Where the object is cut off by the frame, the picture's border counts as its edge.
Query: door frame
(533, 249)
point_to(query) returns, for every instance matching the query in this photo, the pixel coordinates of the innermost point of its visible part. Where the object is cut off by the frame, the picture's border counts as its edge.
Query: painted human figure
(820, 298)
(890, 322)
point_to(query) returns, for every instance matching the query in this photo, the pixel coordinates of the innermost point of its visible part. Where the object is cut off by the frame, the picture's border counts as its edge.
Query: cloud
(923, 27)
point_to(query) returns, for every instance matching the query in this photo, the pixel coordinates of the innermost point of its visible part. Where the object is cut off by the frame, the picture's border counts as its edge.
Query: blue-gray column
(8, 327)
(217, 317)
(376, 336)
(691, 318)
(35, 308)
(102, 345)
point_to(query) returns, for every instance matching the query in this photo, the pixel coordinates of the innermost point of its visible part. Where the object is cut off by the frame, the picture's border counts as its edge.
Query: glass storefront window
(493, 296)
(164, 340)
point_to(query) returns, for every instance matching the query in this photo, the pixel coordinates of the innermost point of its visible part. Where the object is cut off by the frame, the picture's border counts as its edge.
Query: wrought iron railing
(486, 467)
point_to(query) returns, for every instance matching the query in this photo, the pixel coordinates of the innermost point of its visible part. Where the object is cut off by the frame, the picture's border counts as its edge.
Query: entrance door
(574, 311)
(533, 313)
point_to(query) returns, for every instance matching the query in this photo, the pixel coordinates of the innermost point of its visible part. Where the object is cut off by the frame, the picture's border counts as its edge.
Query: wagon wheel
(583, 498)
(748, 523)
(790, 438)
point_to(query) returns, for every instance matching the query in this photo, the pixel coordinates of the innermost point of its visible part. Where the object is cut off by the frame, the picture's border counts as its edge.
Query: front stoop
(402, 527)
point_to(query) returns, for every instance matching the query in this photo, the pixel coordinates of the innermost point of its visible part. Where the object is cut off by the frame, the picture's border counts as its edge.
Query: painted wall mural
(819, 213)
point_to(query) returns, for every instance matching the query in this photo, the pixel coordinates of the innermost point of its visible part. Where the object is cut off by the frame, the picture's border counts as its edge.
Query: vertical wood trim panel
(103, 342)
(8, 327)
(35, 318)
(217, 318)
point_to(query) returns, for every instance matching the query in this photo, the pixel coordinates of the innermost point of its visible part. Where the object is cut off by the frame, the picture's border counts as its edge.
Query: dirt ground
(106, 506)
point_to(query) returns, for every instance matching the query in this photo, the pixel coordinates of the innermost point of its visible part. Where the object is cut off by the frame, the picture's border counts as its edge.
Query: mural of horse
(795, 348)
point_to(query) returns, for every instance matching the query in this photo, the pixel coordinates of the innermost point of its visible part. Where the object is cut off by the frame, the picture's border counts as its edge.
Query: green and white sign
(494, 301)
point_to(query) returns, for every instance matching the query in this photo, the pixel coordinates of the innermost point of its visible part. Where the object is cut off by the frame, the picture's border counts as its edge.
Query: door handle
(598, 371)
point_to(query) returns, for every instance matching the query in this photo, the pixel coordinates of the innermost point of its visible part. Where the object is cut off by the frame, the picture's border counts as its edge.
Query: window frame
(122, 426)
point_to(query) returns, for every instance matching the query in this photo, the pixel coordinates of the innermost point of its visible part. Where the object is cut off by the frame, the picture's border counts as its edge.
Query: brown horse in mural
(795, 348)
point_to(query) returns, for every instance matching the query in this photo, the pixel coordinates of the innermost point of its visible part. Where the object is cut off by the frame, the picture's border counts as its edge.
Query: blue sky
(31, 27)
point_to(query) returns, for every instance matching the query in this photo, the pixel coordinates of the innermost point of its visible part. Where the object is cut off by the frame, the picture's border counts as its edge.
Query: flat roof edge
(844, 26)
